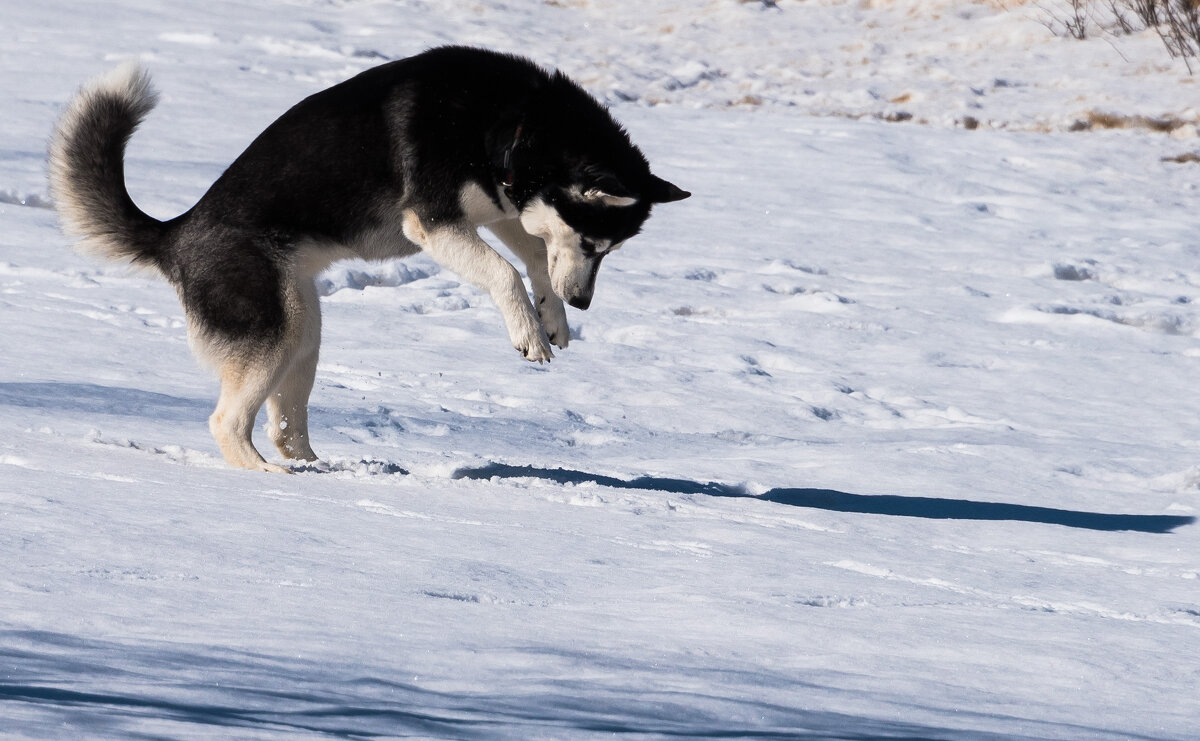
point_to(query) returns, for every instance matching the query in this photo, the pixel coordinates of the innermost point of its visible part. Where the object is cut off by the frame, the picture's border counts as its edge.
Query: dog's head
(579, 182)
(583, 221)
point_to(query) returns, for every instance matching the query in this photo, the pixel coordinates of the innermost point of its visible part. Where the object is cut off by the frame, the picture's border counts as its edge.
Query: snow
(888, 432)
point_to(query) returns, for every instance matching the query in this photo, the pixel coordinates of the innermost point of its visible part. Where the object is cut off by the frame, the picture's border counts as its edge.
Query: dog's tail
(87, 168)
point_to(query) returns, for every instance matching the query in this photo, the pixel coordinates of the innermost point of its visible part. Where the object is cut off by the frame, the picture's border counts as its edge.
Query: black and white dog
(416, 154)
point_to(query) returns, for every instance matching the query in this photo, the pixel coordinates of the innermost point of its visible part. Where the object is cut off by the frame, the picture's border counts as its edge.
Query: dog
(415, 154)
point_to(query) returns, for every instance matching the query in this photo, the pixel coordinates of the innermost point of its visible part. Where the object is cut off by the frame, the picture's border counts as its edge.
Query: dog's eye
(592, 248)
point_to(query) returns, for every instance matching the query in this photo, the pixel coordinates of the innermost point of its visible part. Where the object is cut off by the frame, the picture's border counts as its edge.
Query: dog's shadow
(838, 501)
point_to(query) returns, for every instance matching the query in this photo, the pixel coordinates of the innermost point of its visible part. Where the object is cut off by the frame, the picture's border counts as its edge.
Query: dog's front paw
(526, 333)
(553, 317)
(534, 348)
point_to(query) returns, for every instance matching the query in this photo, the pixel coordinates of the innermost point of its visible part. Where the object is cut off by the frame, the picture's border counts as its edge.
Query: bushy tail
(87, 168)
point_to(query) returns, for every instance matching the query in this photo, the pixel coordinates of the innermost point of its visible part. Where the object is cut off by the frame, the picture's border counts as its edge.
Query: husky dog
(416, 154)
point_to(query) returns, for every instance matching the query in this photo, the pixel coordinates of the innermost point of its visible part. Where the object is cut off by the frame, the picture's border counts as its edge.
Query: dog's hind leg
(287, 406)
(277, 370)
(246, 382)
(287, 410)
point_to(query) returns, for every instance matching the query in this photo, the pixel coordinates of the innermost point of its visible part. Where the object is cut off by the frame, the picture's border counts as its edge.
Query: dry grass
(1183, 158)
(1162, 124)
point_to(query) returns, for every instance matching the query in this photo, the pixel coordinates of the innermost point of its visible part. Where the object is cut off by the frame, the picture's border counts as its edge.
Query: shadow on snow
(91, 398)
(56, 684)
(932, 508)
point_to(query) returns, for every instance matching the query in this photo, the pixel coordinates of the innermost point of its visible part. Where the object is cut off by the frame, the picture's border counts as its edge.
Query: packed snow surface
(890, 431)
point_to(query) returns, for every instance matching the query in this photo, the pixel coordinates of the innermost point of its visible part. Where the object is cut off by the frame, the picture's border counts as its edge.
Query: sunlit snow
(890, 431)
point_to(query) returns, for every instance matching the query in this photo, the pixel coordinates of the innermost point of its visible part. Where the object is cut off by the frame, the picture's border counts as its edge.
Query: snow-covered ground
(890, 431)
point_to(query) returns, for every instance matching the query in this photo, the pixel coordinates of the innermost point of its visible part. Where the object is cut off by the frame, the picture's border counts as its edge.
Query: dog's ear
(607, 189)
(660, 191)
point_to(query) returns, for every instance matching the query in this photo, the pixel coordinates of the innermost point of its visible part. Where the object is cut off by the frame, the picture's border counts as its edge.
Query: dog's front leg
(460, 249)
(532, 251)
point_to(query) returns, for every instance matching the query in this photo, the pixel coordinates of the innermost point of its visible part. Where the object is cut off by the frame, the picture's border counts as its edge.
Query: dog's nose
(580, 302)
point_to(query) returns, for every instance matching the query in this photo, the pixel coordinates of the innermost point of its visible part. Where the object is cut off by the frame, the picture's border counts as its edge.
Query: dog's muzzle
(583, 299)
